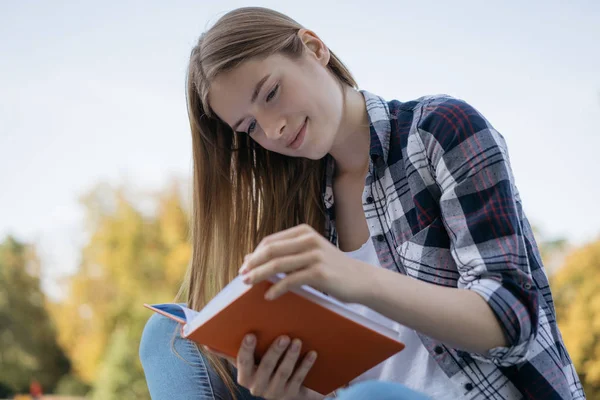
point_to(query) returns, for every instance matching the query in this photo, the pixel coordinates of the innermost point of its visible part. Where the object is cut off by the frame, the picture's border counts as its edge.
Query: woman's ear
(314, 46)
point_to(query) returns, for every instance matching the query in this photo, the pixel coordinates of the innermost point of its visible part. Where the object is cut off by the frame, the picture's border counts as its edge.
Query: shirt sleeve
(482, 213)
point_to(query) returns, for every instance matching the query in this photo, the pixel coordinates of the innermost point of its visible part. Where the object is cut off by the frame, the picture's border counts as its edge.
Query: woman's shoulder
(443, 114)
(435, 104)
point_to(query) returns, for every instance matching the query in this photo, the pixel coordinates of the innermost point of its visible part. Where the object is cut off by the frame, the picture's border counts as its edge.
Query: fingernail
(284, 341)
(312, 356)
(247, 279)
(269, 296)
(296, 345)
(243, 269)
(249, 339)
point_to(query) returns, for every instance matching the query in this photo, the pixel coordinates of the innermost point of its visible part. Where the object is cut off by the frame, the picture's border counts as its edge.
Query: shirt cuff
(514, 317)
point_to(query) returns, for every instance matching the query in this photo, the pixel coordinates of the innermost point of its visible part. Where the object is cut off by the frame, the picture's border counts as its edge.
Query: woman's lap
(176, 370)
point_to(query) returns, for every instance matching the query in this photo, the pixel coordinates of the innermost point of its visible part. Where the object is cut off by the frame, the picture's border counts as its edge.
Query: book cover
(347, 343)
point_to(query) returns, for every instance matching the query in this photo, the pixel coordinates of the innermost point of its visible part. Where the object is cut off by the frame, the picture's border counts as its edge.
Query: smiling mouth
(297, 141)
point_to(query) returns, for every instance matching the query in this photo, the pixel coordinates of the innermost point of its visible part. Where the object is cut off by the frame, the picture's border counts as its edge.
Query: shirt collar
(380, 129)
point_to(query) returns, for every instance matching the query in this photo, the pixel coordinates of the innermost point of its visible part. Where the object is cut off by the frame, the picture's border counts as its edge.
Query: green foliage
(28, 346)
(132, 257)
(71, 385)
(6, 391)
(577, 301)
(121, 376)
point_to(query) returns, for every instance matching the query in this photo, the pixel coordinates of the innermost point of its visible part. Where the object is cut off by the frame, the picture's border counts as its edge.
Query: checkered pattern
(442, 207)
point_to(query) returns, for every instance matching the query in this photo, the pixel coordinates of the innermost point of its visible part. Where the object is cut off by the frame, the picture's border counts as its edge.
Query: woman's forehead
(233, 90)
(249, 72)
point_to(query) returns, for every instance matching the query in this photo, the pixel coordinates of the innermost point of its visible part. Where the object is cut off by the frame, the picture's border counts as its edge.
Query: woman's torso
(413, 367)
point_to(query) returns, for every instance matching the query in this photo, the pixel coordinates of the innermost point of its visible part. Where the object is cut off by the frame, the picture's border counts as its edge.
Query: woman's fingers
(245, 361)
(272, 244)
(285, 264)
(275, 249)
(275, 377)
(291, 281)
(267, 366)
(285, 234)
(297, 379)
(284, 371)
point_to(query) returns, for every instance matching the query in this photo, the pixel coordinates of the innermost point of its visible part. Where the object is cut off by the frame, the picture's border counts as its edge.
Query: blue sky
(94, 91)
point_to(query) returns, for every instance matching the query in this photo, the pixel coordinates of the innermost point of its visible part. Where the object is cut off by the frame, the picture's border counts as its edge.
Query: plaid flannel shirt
(442, 207)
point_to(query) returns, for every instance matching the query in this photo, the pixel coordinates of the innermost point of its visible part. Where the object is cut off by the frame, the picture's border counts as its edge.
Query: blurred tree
(71, 385)
(119, 375)
(132, 257)
(577, 300)
(28, 345)
(6, 391)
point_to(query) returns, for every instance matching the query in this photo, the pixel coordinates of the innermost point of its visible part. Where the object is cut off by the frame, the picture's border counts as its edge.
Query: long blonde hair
(242, 192)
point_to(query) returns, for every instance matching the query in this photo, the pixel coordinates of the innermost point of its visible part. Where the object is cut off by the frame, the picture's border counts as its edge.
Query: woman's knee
(379, 390)
(154, 331)
(173, 366)
(157, 339)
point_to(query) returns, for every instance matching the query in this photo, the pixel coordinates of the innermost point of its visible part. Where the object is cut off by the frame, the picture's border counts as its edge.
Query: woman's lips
(297, 142)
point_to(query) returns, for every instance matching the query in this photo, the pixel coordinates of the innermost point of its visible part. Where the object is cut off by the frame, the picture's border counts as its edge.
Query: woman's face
(292, 107)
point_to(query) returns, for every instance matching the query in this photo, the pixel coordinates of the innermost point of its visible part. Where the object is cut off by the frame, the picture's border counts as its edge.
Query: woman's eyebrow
(257, 88)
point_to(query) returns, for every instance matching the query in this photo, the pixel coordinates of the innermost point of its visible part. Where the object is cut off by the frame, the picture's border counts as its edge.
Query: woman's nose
(273, 127)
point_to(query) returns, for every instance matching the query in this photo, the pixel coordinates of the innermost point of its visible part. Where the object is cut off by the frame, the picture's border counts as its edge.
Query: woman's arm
(459, 317)
(488, 236)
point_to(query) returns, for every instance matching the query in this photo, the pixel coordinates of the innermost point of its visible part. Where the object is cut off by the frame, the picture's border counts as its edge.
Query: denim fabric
(176, 370)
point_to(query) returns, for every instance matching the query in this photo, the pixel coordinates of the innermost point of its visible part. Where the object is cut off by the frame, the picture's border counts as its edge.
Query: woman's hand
(308, 259)
(272, 379)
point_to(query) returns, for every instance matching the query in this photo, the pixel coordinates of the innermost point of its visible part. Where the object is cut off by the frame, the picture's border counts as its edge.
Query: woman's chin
(314, 154)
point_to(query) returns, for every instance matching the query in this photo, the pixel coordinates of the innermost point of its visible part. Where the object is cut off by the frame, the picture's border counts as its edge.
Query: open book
(348, 344)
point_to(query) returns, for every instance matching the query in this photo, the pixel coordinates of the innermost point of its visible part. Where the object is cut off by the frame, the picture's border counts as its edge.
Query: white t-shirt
(413, 367)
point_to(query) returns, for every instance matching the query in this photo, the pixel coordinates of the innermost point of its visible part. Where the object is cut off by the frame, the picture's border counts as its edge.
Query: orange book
(348, 344)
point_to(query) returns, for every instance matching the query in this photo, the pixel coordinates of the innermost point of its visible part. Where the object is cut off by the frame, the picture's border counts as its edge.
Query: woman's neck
(351, 145)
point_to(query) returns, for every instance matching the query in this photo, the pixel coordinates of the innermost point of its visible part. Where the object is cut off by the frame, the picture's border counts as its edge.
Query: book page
(176, 311)
(232, 291)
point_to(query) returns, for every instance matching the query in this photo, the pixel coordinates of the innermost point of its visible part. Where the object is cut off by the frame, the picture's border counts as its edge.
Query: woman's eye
(272, 93)
(252, 127)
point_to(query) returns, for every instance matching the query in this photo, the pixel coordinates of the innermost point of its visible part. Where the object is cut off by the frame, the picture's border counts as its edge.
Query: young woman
(406, 210)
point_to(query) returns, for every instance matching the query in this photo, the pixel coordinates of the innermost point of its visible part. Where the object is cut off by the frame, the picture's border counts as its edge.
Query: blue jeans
(169, 377)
